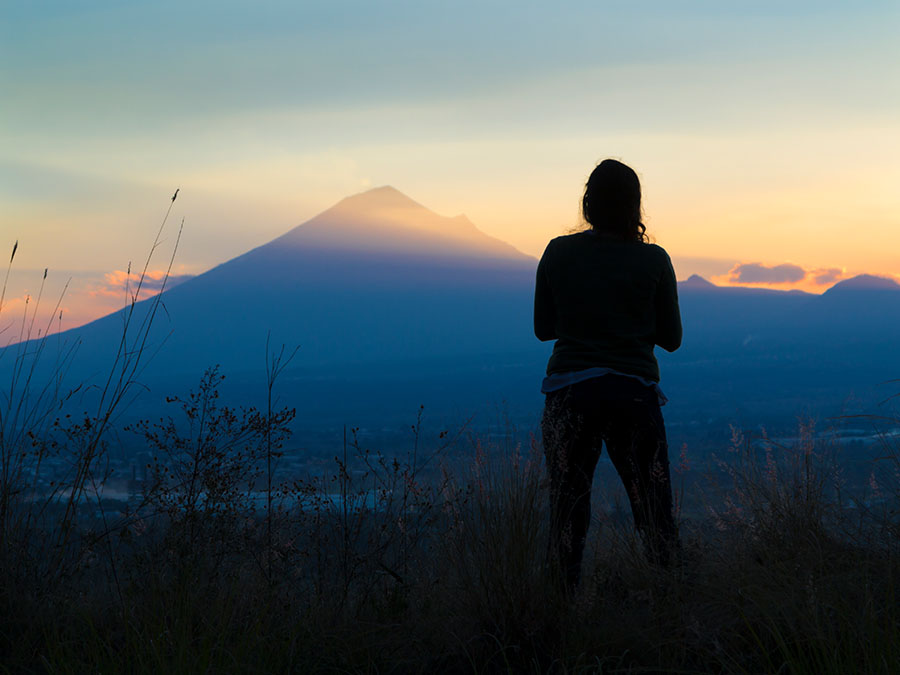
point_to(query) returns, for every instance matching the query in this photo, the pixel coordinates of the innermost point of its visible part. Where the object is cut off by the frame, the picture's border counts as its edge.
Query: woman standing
(607, 297)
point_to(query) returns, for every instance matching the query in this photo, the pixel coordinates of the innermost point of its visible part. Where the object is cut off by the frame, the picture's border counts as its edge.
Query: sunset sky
(766, 134)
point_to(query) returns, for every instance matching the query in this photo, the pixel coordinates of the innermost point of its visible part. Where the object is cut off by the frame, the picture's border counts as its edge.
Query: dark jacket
(606, 302)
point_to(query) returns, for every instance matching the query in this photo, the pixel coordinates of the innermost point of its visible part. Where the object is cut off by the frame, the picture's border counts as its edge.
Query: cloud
(14, 302)
(783, 275)
(117, 281)
(826, 277)
(758, 273)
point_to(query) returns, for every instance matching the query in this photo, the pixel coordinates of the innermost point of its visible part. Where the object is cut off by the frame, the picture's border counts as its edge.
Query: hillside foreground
(414, 564)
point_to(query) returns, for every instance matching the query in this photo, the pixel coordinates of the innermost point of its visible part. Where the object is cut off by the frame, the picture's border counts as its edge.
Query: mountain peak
(384, 221)
(377, 198)
(697, 283)
(864, 282)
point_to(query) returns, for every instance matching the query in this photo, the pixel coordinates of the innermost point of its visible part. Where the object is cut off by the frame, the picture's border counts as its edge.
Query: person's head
(612, 201)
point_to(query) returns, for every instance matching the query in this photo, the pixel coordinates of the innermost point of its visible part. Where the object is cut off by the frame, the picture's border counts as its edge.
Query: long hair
(612, 201)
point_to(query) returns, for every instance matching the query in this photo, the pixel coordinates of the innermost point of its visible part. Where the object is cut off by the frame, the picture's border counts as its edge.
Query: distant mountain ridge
(864, 282)
(861, 282)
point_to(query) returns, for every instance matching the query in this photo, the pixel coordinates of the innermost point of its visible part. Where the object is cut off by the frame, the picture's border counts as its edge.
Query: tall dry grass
(53, 456)
(403, 564)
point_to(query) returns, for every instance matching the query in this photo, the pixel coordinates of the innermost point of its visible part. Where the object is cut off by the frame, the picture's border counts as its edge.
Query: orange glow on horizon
(87, 297)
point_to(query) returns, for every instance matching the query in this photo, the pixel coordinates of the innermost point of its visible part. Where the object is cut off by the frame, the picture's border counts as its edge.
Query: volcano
(377, 278)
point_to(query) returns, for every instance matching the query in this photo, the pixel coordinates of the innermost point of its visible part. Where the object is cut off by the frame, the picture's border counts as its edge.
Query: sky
(766, 134)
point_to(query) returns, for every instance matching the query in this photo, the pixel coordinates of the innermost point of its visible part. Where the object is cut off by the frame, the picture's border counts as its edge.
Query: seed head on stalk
(8, 268)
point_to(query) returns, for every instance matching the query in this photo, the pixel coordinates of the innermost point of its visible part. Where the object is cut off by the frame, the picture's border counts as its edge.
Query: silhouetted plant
(371, 523)
(209, 464)
(778, 493)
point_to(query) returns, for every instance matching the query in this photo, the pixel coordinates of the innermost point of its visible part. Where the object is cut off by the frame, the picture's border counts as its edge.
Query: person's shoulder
(658, 260)
(656, 251)
(571, 239)
(565, 242)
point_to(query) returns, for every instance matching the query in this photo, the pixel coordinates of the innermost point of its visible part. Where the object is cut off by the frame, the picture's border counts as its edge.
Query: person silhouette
(607, 296)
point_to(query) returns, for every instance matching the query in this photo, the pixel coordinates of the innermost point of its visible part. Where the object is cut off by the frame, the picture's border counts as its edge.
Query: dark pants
(625, 414)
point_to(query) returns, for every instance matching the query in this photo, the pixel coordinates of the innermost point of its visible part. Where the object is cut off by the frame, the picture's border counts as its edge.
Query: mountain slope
(375, 278)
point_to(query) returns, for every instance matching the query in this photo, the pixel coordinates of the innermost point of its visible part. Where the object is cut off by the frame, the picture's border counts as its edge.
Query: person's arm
(544, 308)
(668, 316)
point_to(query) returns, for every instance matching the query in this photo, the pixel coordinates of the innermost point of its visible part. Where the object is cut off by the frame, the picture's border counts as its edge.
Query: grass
(419, 570)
